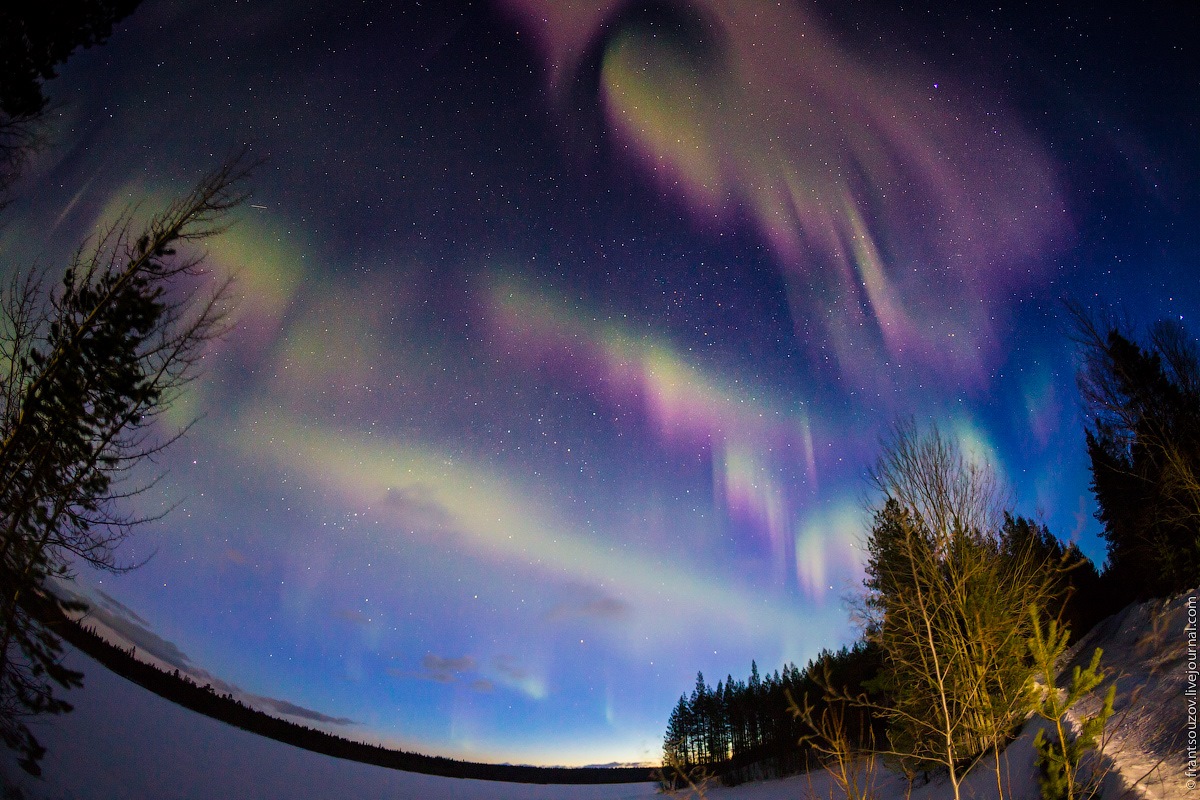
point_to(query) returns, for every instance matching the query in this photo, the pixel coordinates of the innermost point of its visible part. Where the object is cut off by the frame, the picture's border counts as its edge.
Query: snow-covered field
(125, 742)
(122, 741)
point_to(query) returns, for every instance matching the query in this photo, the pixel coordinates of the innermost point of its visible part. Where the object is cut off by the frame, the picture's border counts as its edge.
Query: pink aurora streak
(898, 212)
(752, 442)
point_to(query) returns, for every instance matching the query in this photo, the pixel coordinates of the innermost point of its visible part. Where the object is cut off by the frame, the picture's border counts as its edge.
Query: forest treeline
(182, 689)
(964, 602)
(741, 730)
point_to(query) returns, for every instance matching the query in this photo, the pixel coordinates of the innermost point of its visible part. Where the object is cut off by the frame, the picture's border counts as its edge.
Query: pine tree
(675, 740)
(86, 369)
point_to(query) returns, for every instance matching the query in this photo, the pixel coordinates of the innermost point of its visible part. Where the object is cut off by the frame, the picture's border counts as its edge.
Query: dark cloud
(293, 710)
(440, 669)
(446, 670)
(417, 506)
(148, 641)
(436, 677)
(508, 667)
(127, 625)
(438, 664)
(352, 615)
(236, 556)
(118, 607)
(590, 605)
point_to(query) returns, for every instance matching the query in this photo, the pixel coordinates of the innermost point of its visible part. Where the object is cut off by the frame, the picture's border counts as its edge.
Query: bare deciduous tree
(946, 602)
(841, 736)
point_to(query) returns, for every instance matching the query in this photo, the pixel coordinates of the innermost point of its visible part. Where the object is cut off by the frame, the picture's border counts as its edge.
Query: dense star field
(566, 331)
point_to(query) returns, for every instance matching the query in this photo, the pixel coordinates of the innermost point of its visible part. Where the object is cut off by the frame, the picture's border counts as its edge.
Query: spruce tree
(1143, 442)
(1059, 755)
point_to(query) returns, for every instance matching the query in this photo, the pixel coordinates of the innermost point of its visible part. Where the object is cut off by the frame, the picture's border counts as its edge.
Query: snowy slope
(1147, 648)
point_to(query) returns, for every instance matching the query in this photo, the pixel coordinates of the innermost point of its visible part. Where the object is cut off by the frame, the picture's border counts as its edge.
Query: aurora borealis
(565, 331)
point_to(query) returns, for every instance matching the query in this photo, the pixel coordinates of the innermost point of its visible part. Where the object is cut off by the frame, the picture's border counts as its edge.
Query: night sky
(567, 329)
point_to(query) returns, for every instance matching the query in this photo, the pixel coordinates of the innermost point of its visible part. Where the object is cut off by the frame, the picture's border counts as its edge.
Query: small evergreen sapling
(1059, 754)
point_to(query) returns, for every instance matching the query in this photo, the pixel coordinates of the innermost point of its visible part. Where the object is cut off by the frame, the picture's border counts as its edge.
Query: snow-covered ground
(125, 742)
(1152, 652)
